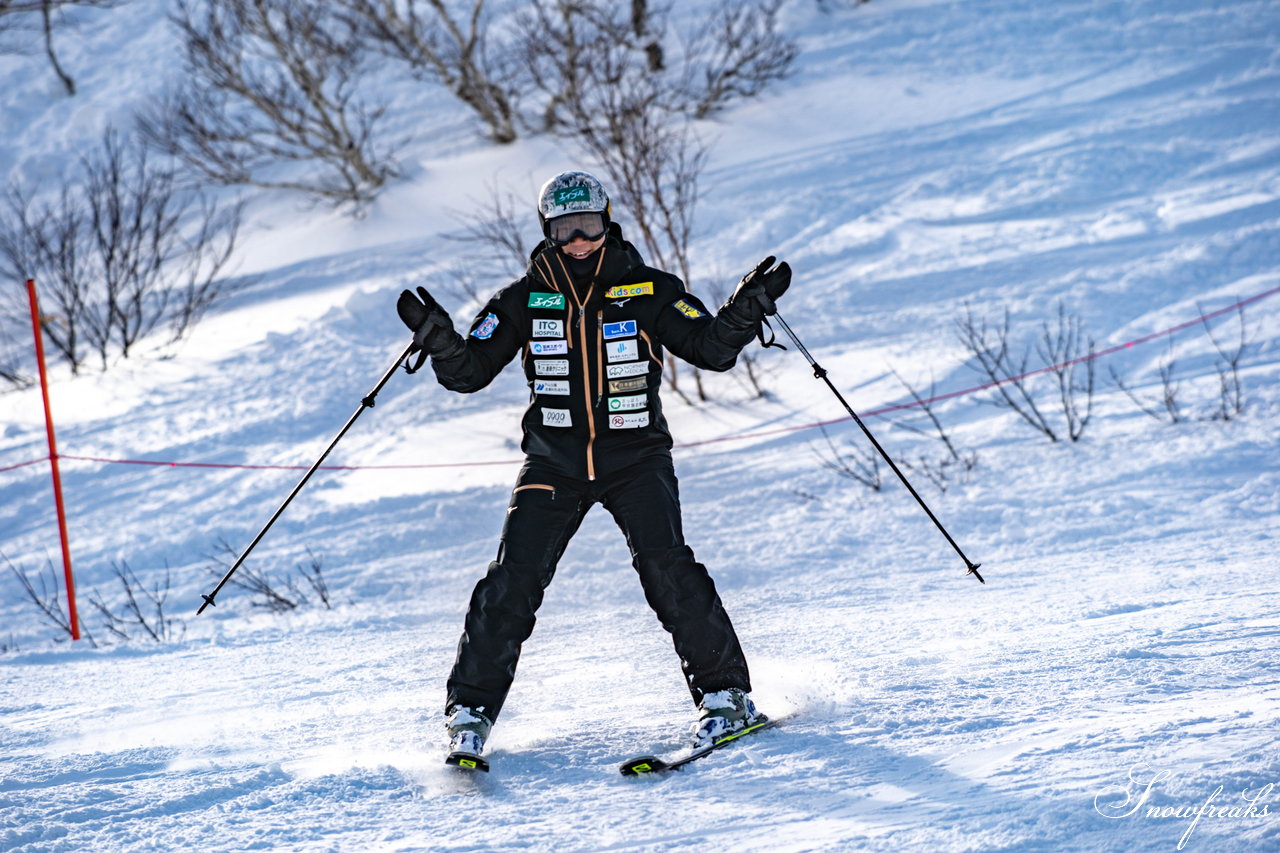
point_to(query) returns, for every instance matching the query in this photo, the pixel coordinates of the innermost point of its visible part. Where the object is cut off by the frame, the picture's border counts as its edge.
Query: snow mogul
(591, 324)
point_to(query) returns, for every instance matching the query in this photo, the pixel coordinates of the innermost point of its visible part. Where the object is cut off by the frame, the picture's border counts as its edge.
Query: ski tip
(466, 761)
(642, 765)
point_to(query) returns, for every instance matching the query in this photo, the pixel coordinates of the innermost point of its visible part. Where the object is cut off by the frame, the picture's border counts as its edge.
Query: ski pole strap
(772, 342)
(417, 365)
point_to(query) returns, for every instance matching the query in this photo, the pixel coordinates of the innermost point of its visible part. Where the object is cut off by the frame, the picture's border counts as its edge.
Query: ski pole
(821, 373)
(366, 402)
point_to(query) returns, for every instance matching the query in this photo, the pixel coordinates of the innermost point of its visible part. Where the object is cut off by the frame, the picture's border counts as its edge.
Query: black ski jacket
(592, 352)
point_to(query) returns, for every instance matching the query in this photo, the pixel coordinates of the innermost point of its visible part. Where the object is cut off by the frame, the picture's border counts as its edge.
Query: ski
(645, 764)
(466, 761)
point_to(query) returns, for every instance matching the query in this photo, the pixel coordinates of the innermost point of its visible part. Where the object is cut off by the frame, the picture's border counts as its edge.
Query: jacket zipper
(586, 359)
(586, 387)
(599, 357)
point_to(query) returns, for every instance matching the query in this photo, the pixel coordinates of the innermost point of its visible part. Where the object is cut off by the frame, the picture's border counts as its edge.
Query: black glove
(758, 291)
(432, 329)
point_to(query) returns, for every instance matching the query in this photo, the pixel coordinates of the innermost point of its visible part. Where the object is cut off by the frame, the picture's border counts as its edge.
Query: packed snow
(1113, 686)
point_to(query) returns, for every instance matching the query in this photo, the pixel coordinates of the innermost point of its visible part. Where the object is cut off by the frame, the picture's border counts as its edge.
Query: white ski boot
(468, 729)
(721, 714)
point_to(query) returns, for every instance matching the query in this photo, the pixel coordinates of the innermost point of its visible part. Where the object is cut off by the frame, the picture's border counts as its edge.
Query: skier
(590, 322)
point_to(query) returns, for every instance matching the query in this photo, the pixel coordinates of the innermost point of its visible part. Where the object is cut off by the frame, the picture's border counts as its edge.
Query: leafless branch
(737, 55)
(271, 99)
(142, 607)
(860, 464)
(1167, 406)
(1062, 346)
(18, 15)
(45, 592)
(119, 253)
(274, 596)
(442, 47)
(1231, 391)
(938, 469)
(496, 229)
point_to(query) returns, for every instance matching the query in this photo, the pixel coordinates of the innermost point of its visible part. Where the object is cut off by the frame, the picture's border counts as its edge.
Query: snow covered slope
(929, 157)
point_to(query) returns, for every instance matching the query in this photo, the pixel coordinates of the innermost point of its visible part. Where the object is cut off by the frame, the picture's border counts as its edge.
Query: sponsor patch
(628, 404)
(620, 329)
(554, 387)
(546, 300)
(623, 350)
(557, 418)
(686, 309)
(622, 386)
(484, 329)
(626, 291)
(635, 368)
(551, 367)
(548, 328)
(633, 421)
(549, 347)
(568, 195)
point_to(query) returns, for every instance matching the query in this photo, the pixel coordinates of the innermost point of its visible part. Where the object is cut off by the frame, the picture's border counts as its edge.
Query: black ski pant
(545, 511)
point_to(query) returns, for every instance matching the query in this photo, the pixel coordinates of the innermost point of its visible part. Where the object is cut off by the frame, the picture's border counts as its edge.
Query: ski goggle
(589, 226)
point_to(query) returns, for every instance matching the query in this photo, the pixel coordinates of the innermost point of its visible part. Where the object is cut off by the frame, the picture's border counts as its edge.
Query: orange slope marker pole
(72, 616)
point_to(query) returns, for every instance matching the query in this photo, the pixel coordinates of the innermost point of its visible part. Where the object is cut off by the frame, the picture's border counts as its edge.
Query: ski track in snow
(928, 157)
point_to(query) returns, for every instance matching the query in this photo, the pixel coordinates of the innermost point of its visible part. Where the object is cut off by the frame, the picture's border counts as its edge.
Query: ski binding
(646, 764)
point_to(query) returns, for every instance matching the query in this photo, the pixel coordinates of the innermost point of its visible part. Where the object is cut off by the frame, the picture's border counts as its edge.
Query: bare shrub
(1228, 403)
(141, 607)
(270, 593)
(44, 590)
(1167, 406)
(441, 46)
(18, 16)
(953, 462)
(498, 230)
(737, 55)
(119, 254)
(1070, 359)
(860, 464)
(271, 100)
(1227, 365)
(12, 370)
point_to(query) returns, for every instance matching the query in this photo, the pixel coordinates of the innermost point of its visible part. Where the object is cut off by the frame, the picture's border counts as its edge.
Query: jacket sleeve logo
(484, 329)
(686, 309)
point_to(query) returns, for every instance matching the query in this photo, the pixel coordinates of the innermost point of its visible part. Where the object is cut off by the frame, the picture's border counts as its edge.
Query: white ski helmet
(572, 192)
